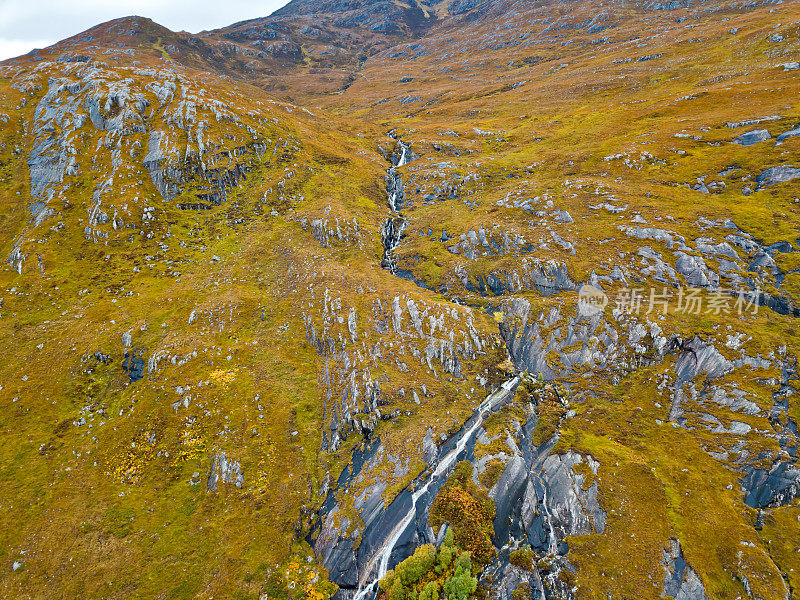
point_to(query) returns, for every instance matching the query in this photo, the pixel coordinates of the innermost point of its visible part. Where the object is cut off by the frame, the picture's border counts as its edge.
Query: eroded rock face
(508, 577)
(507, 495)
(578, 340)
(442, 337)
(346, 544)
(540, 500)
(694, 269)
(546, 277)
(699, 357)
(334, 548)
(576, 511)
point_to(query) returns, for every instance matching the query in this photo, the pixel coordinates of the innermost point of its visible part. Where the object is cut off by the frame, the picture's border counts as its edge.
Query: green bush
(463, 562)
(388, 581)
(415, 567)
(397, 591)
(448, 537)
(445, 556)
(430, 591)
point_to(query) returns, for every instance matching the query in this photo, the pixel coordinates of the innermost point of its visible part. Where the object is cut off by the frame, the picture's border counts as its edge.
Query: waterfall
(393, 182)
(552, 541)
(403, 150)
(391, 233)
(394, 226)
(378, 564)
(552, 544)
(381, 558)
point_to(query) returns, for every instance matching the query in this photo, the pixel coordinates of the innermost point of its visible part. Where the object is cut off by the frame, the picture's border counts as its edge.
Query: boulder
(752, 137)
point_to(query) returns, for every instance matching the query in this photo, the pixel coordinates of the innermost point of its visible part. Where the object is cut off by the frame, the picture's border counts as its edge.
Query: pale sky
(29, 24)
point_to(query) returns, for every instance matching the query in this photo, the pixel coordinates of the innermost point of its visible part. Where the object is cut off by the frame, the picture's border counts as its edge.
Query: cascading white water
(394, 182)
(384, 553)
(379, 562)
(391, 233)
(552, 545)
(552, 542)
(393, 226)
(403, 160)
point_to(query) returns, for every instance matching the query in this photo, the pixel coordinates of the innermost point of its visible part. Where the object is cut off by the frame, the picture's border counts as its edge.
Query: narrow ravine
(380, 562)
(460, 444)
(552, 543)
(413, 516)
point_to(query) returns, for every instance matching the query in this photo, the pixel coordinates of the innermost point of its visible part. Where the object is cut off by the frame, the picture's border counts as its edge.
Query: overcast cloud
(29, 24)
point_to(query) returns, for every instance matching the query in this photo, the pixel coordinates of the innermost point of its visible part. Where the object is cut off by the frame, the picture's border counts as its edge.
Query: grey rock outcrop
(680, 580)
(225, 470)
(773, 175)
(788, 134)
(777, 486)
(694, 269)
(574, 510)
(133, 364)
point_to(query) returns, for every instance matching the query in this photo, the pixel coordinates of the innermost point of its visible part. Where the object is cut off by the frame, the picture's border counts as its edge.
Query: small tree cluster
(431, 574)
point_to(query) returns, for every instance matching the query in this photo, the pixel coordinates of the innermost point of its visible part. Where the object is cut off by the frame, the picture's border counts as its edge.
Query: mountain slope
(267, 285)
